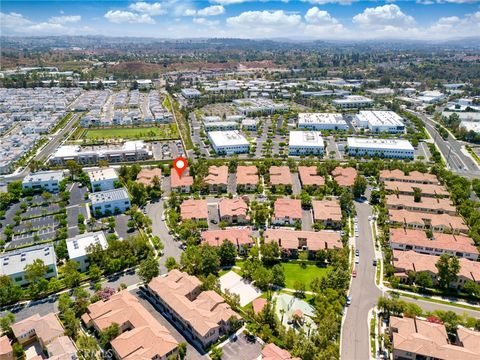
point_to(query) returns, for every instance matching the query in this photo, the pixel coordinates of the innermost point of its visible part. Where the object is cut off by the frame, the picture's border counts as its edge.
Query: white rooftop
(379, 118)
(306, 138)
(14, 262)
(43, 176)
(398, 144)
(102, 174)
(108, 196)
(77, 246)
(321, 118)
(226, 138)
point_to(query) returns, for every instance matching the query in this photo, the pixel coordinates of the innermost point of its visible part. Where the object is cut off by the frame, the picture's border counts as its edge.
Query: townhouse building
(287, 211)
(233, 211)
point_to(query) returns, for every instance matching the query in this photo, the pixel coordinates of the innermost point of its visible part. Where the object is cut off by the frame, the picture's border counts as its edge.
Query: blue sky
(302, 19)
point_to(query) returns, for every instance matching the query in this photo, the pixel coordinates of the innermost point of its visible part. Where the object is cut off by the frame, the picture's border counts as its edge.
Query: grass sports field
(153, 132)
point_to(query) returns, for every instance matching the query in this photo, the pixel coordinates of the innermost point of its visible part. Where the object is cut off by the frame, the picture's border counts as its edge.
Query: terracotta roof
(258, 305)
(185, 180)
(232, 207)
(314, 240)
(407, 187)
(326, 210)
(442, 241)
(247, 175)
(62, 348)
(217, 175)
(237, 236)
(204, 313)
(280, 175)
(344, 176)
(435, 220)
(5, 346)
(147, 338)
(146, 176)
(427, 339)
(425, 203)
(308, 176)
(291, 208)
(469, 338)
(194, 209)
(414, 176)
(273, 352)
(412, 261)
(46, 327)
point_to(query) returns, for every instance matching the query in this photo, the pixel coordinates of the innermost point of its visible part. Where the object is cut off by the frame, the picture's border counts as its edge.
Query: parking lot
(241, 349)
(167, 150)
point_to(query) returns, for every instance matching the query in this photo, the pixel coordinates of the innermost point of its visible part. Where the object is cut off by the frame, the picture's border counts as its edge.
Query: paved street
(364, 293)
(159, 228)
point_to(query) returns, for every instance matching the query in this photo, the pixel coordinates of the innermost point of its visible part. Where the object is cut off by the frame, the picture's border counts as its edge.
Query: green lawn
(294, 272)
(154, 132)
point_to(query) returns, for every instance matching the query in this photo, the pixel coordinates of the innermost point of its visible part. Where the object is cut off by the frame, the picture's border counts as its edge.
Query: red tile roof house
(435, 222)
(217, 179)
(416, 240)
(410, 261)
(258, 304)
(291, 241)
(414, 177)
(204, 316)
(344, 176)
(233, 211)
(194, 209)
(426, 205)
(287, 212)
(309, 178)
(413, 338)
(45, 329)
(273, 352)
(280, 179)
(183, 184)
(146, 176)
(6, 350)
(328, 212)
(405, 188)
(240, 237)
(247, 178)
(141, 335)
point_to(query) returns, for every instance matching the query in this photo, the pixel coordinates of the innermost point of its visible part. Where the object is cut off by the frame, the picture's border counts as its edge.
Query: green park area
(159, 132)
(305, 274)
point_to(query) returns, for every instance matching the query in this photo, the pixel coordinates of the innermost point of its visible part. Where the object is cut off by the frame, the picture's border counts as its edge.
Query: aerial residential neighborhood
(240, 180)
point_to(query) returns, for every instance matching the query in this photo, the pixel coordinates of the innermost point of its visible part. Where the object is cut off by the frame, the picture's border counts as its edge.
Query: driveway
(307, 220)
(297, 186)
(241, 349)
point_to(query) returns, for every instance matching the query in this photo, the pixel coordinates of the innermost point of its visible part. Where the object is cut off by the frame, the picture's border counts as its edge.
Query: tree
(61, 249)
(417, 194)
(472, 288)
(148, 269)
(88, 347)
(71, 323)
(359, 187)
(35, 271)
(182, 350)
(94, 272)
(303, 257)
(200, 260)
(448, 268)
(216, 353)
(227, 253)
(423, 280)
(9, 292)
(109, 334)
(65, 302)
(262, 277)
(74, 168)
(278, 275)
(71, 276)
(306, 200)
(270, 253)
(6, 322)
(171, 263)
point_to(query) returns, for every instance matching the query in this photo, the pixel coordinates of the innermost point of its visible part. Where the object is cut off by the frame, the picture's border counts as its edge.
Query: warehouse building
(353, 101)
(321, 121)
(380, 121)
(228, 142)
(306, 143)
(388, 148)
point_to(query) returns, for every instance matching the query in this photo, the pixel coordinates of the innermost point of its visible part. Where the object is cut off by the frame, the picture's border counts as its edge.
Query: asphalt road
(363, 291)
(451, 150)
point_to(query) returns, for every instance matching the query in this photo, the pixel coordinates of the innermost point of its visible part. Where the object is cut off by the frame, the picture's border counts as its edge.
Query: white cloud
(66, 19)
(119, 17)
(205, 22)
(265, 18)
(13, 20)
(152, 9)
(384, 16)
(230, 2)
(320, 17)
(211, 10)
(451, 26)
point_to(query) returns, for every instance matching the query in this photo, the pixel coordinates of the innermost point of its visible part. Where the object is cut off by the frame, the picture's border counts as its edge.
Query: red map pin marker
(180, 164)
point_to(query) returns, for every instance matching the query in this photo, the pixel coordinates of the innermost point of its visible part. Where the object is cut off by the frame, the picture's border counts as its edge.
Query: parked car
(357, 260)
(349, 300)
(374, 262)
(354, 273)
(357, 252)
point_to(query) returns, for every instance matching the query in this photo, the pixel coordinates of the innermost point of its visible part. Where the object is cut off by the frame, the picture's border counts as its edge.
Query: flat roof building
(388, 148)
(306, 143)
(78, 247)
(190, 93)
(353, 101)
(110, 201)
(228, 142)
(321, 121)
(102, 179)
(43, 180)
(380, 121)
(12, 263)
